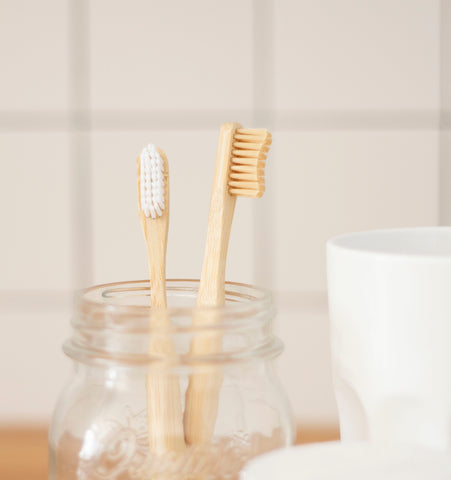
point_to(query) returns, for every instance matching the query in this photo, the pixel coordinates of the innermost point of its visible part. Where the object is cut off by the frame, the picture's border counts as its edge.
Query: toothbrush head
(151, 182)
(247, 167)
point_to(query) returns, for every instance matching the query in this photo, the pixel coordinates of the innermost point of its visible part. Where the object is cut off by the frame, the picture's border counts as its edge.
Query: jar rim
(125, 299)
(112, 321)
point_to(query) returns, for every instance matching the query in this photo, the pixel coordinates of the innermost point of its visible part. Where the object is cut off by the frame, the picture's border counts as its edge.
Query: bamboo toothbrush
(164, 410)
(239, 171)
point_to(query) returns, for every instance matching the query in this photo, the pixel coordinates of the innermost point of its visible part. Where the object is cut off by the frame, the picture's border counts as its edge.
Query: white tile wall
(35, 211)
(357, 55)
(304, 367)
(171, 54)
(32, 367)
(445, 48)
(192, 65)
(33, 52)
(328, 183)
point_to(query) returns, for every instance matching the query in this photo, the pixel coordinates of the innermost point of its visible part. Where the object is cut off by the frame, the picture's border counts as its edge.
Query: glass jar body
(100, 428)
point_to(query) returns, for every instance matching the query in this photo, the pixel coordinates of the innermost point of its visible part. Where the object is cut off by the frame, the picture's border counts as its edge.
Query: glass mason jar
(102, 425)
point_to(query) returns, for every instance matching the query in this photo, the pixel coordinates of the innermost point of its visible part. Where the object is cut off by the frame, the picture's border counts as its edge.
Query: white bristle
(152, 182)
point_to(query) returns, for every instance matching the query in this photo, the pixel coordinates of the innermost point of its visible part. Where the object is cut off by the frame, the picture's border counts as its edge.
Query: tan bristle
(252, 177)
(249, 153)
(250, 146)
(254, 162)
(246, 185)
(241, 192)
(247, 169)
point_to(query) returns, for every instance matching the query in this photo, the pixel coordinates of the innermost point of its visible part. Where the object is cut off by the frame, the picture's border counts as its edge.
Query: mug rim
(412, 243)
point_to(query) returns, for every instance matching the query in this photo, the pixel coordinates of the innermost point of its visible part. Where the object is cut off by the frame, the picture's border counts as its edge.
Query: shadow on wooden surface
(314, 434)
(23, 452)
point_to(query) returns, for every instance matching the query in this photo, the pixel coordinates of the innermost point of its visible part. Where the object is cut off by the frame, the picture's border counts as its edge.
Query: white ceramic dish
(350, 461)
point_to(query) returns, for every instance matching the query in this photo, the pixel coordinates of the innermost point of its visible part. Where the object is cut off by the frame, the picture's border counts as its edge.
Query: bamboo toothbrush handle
(155, 233)
(202, 396)
(222, 206)
(164, 409)
(239, 171)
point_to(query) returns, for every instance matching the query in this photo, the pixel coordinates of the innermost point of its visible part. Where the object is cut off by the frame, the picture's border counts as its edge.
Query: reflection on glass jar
(100, 428)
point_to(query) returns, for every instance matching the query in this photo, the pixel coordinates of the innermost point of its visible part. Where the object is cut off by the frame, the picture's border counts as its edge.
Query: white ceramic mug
(351, 461)
(390, 312)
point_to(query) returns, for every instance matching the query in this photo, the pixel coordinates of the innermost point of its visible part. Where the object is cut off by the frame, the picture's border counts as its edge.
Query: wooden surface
(23, 452)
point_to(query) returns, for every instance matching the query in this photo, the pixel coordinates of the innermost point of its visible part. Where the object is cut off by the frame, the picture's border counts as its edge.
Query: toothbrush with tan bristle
(239, 171)
(164, 409)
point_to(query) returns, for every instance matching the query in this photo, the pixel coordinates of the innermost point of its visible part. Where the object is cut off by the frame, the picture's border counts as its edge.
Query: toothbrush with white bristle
(164, 407)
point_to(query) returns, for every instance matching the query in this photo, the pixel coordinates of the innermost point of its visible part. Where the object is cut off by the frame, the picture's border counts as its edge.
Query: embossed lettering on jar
(100, 428)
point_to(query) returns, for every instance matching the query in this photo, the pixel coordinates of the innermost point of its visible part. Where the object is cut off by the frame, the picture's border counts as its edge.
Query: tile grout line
(263, 115)
(444, 181)
(80, 143)
(105, 121)
(440, 103)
